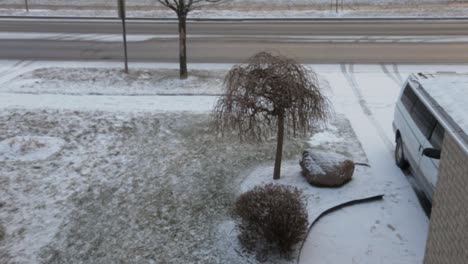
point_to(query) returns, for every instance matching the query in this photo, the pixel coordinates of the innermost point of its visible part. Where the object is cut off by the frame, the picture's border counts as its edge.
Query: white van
(429, 106)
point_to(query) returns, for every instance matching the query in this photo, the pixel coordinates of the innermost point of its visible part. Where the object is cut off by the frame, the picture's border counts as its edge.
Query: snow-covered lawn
(131, 187)
(113, 81)
(143, 179)
(29, 148)
(243, 8)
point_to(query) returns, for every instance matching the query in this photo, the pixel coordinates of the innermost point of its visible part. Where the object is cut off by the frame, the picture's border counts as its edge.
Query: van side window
(437, 137)
(423, 118)
(408, 98)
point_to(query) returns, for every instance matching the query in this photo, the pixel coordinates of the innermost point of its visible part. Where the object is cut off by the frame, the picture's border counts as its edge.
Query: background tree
(182, 8)
(337, 4)
(267, 94)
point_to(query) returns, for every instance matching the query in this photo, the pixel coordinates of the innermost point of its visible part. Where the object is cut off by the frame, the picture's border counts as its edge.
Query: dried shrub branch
(271, 217)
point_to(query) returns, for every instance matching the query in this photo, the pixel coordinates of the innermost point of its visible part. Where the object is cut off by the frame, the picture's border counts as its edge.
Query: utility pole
(124, 30)
(26, 5)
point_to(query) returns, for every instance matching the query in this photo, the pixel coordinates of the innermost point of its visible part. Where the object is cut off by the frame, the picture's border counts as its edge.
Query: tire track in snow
(5, 72)
(397, 73)
(349, 75)
(14, 70)
(390, 75)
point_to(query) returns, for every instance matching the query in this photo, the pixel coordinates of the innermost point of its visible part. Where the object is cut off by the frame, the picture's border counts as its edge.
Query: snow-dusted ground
(138, 180)
(78, 37)
(455, 87)
(113, 81)
(132, 187)
(244, 8)
(29, 148)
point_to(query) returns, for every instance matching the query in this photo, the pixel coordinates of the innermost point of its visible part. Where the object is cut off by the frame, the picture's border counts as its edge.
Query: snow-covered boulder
(29, 148)
(326, 169)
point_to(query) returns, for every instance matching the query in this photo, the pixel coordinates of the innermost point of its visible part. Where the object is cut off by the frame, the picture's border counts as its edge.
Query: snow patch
(101, 81)
(451, 93)
(29, 148)
(324, 137)
(245, 9)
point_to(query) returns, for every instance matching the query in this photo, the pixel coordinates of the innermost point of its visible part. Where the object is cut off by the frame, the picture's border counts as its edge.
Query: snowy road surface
(247, 37)
(391, 231)
(336, 41)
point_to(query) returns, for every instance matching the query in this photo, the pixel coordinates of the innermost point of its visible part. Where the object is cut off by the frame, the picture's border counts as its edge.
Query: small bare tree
(182, 8)
(266, 94)
(337, 5)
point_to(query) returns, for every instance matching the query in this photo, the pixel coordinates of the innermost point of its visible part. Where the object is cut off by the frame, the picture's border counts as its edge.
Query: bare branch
(268, 86)
(183, 7)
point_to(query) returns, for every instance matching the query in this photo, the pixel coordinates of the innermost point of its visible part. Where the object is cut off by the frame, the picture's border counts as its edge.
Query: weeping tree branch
(270, 94)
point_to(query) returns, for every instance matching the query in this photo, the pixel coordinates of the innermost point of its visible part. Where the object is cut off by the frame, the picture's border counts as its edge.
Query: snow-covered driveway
(392, 231)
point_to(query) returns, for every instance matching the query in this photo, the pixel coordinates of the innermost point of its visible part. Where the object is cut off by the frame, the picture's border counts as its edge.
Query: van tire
(400, 159)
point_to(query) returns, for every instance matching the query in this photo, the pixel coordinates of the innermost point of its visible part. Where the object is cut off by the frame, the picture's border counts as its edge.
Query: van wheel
(400, 155)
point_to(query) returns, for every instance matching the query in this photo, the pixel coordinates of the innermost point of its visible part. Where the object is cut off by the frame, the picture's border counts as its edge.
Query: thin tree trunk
(124, 31)
(26, 4)
(279, 147)
(183, 47)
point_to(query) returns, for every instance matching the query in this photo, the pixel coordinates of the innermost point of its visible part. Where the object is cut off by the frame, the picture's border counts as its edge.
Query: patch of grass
(2, 232)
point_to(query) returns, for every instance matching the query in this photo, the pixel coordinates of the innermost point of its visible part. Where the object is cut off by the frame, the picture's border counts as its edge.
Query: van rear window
(423, 118)
(437, 137)
(408, 98)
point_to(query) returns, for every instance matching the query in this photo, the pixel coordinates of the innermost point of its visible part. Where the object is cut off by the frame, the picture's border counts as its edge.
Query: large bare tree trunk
(183, 47)
(279, 147)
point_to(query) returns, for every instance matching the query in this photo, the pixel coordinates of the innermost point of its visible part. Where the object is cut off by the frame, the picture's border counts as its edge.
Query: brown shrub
(271, 217)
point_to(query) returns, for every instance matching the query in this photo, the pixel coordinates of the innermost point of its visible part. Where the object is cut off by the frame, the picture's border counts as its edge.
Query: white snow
(327, 154)
(109, 103)
(116, 153)
(324, 138)
(245, 9)
(113, 81)
(29, 148)
(369, 239)
(451, 93)
(318, 199)
(77, 37)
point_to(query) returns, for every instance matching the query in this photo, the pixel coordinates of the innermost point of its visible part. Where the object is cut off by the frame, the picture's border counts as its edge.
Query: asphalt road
(366, 41)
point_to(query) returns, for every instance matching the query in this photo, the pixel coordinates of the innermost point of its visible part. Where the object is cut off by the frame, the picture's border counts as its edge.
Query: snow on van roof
(450, 91)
